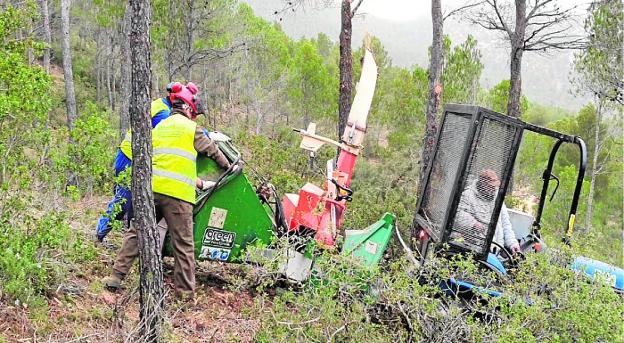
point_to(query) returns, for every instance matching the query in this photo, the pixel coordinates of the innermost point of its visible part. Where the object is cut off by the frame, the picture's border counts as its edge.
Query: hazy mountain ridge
(545, 78)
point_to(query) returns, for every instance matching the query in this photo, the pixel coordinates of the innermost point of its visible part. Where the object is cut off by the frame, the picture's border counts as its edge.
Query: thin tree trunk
(435, 69)
(47, 33)
(67, 67)
(124, 115)
(592, 185)
(114, 84)
(517, 43)
(189, 40)
(109, 82)
(346, 68)
(70, 96)
(151, 283)
(98, 68)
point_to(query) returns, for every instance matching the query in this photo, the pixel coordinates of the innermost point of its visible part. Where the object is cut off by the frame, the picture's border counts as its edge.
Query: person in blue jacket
(120, 205)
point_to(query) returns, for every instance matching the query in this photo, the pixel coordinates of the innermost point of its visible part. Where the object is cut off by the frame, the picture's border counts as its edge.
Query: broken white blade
(364, 92)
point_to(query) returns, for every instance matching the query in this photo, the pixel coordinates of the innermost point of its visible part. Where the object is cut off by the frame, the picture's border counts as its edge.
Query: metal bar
(546, 178)
(579, 184)
(425, 180)
(548, 132)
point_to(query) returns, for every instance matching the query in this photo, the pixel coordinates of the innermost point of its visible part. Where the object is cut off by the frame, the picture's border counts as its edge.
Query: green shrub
(35, 253)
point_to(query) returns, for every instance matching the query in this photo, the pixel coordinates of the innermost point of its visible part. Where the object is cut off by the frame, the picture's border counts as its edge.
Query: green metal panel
(230, 219)
(369, 245)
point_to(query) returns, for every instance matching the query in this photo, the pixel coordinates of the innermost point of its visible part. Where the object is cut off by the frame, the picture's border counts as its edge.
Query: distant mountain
(545, 78)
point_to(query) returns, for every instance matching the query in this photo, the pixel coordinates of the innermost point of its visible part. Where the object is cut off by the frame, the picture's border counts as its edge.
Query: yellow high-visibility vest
(173, 162)
(156, 107)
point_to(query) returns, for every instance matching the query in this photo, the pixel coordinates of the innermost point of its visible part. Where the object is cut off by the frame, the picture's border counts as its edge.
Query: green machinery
(231, 215)
(234, 214)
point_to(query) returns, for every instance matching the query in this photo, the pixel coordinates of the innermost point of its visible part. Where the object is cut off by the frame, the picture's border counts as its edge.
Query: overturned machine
(473, 143)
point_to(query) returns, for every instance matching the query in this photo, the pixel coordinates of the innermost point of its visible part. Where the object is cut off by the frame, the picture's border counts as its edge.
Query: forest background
(258, 83)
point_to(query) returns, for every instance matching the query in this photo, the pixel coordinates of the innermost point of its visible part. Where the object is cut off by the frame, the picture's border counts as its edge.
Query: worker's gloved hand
(206, 185)
(515, 248)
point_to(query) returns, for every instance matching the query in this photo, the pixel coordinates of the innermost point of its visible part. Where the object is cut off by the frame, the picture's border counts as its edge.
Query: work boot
(185, 300)
(112, 282)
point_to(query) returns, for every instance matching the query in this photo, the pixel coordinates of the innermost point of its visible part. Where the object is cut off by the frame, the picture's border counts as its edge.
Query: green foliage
(35, 250)
(496, 98)
(311, 87)
(462, 71)
(93, 136)
(543, 301)
(564, 306)
(25, 99)
(599, 66)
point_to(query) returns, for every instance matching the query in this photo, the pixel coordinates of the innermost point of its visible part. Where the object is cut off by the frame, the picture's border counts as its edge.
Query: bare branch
(488, 25)
(356, 7)
(497, 10)
(537, 6)
(294, 5)
(461, 9)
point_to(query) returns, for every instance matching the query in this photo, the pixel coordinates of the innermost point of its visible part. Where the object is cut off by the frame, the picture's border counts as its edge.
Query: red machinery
(322, 209)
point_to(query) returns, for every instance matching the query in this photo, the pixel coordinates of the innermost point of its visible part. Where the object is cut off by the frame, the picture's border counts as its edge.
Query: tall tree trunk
(517, 49)
(70, 96)
(47, 33)
(151, 289)
(124, 114)
(109, 77)
(435, 69)
(595, 168)
(346, 68)
(98, 67)
(114, 84)
(189, 27)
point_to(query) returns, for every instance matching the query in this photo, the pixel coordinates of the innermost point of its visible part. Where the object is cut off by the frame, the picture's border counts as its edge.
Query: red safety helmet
(174, 87)
(184, 93)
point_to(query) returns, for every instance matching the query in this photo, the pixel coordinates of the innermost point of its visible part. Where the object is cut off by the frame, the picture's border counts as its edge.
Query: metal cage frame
(478, 115)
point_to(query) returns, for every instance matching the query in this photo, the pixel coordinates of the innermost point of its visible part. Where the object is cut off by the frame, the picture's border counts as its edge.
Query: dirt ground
(82, 310)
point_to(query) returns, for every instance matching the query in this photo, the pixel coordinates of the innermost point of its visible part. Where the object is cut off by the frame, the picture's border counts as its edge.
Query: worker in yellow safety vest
(120, 205)
(176, 142)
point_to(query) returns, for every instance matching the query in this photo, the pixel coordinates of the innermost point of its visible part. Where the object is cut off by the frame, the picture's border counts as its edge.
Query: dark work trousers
(179, 217)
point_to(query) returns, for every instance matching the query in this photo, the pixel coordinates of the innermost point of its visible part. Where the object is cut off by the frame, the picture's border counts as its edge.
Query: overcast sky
(402, 10)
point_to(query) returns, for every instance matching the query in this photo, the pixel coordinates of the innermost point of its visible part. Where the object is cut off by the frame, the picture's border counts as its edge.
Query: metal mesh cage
(445, 166)
(488, 161)
(468, 176)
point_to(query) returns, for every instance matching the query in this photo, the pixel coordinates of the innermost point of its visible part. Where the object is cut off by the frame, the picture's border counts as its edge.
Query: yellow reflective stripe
(176, 152)
(174, 176)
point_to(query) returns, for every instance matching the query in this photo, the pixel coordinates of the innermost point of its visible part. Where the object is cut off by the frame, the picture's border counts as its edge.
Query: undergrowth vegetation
(344, 301)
